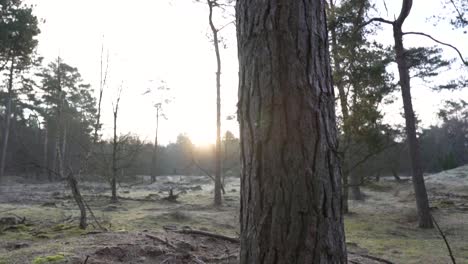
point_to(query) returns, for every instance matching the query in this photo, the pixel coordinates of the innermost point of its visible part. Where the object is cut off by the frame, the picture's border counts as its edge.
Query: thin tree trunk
(290, 181)
(45, 153)
(64, 141)
(101, 90)
(422, 200)
(345, 181)
(155, 149)
(114, 159)
(217, 189)
(58, 149)
(355, 183)
(6, 133)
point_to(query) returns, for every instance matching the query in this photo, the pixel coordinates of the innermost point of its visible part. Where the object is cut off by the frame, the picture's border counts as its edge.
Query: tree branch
(405, 10)
(375, 19)
(460, 15)
(440, 42)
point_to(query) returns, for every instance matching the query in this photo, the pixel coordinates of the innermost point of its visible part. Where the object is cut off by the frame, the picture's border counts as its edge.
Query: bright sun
(202, 139)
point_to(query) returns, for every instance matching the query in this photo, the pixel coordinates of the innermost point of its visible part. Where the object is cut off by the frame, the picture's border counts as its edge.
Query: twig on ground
(372, 257)
(160, 240)
(445, 239)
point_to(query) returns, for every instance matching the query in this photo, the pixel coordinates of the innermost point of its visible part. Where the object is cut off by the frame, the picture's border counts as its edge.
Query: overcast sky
(150, 41)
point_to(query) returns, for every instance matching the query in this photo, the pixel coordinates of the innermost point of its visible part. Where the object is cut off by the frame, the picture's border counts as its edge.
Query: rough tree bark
(422, 201)
(291, 181)
(217, 189)
(6, 133)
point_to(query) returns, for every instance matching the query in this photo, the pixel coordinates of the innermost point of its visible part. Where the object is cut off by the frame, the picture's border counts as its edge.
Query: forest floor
(38, 223)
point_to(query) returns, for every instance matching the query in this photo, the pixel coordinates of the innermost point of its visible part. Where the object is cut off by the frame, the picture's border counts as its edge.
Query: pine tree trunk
(64, 141)
(291, 181)
(6, 133)
(58, 149)
(45, 153)
(217, 189)
(345, 178)
(422, 201)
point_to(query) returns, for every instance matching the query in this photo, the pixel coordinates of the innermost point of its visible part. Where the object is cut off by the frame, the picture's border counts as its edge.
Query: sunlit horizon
(144, 49)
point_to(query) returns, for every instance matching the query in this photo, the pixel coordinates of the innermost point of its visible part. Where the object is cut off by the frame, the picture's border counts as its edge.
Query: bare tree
(115, 145)
(160, 98)
(102, 85)
(154, 158)
(290, 180)
(217, 176)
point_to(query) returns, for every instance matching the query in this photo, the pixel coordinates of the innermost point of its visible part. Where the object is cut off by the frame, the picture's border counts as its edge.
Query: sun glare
(201, 139)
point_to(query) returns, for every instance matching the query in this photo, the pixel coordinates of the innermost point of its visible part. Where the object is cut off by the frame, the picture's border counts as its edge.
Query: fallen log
(208, 234)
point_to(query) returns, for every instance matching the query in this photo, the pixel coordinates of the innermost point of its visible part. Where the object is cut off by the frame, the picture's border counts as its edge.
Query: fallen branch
(372, 257)
(208, 234)
(445, 239)
(160, 240)
(94, 217)
(122, 198)
(207, 174)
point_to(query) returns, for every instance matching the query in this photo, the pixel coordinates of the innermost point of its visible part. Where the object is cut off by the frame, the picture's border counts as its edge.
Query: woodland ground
(39, 223)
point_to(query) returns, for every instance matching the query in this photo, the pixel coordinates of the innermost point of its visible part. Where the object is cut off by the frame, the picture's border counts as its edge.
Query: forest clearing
(382, 226)
(234, 131)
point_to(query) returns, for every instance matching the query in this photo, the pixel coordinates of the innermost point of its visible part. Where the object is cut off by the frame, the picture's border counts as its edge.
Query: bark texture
(291, 190)
(422, 201)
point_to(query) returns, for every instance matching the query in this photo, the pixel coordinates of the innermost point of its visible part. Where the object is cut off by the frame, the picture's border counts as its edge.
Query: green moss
(49, 259)
(389, 236)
